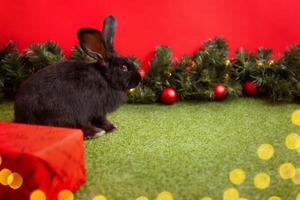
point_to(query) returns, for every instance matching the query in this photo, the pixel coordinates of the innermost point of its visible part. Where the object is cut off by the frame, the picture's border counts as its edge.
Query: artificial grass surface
(188, 149)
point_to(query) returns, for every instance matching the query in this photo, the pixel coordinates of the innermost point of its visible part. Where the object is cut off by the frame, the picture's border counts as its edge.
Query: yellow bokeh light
(142, 198)
(261, 180)
(274, 198)
(298, 149)
(227, 62)
(259, 63)
(298, 196)
(15, 180)
(65, 195)
(131, 90)
(296, 178)
(296, 117)
(37, 195)
(205, 198)
(242, 198)
(292, 141)
(287, 170)
(237, 176)
(99, 197)
(165, 196)
(231, 194)
(4, 174)
(265, 151)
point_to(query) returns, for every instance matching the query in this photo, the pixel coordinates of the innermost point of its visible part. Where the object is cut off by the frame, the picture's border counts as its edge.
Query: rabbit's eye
(124, 68)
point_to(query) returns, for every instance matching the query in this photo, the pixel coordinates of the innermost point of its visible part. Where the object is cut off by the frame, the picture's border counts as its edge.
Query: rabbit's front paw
(105, 124)
(108, 126)
(91, 132)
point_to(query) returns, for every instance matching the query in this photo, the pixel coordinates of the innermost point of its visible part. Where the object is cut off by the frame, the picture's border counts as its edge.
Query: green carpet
(188, 149)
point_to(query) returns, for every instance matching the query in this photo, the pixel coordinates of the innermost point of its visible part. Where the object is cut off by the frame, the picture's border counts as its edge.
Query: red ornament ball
(188, 69)
(168, 96)
(220, 92)
(250, 88)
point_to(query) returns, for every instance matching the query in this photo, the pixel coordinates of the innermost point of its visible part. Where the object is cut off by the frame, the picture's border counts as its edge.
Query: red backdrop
(144, 24)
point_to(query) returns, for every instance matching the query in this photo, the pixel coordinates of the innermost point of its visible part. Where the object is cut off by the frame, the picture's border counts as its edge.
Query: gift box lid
(56, 152)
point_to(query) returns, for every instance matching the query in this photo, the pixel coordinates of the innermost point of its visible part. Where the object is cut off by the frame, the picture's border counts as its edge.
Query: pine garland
(275, 79)
(160, 68)
(15, 68)
(78, 54)
(192, 76)
(291, 60)
(42, 55)
(8, 48)
(142, 94)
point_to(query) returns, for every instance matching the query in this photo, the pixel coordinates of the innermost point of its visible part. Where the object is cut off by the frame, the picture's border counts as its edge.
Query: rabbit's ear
(92, 42)
(109, 28)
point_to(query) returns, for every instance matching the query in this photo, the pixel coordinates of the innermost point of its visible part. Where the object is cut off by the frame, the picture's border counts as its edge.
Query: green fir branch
(42, 55)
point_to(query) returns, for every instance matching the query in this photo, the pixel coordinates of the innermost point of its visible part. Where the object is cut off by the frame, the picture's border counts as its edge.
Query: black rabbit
(78, 94)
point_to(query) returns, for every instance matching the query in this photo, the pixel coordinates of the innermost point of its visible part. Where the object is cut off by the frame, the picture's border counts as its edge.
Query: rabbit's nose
(134, 80)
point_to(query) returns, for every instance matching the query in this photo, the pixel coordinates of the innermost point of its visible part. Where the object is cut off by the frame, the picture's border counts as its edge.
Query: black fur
(76, 94)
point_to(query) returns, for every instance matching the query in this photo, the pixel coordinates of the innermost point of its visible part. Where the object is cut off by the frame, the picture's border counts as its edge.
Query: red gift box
(47, 158)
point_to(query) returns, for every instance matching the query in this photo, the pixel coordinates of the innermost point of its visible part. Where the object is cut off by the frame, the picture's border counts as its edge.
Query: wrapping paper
(47, 158)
